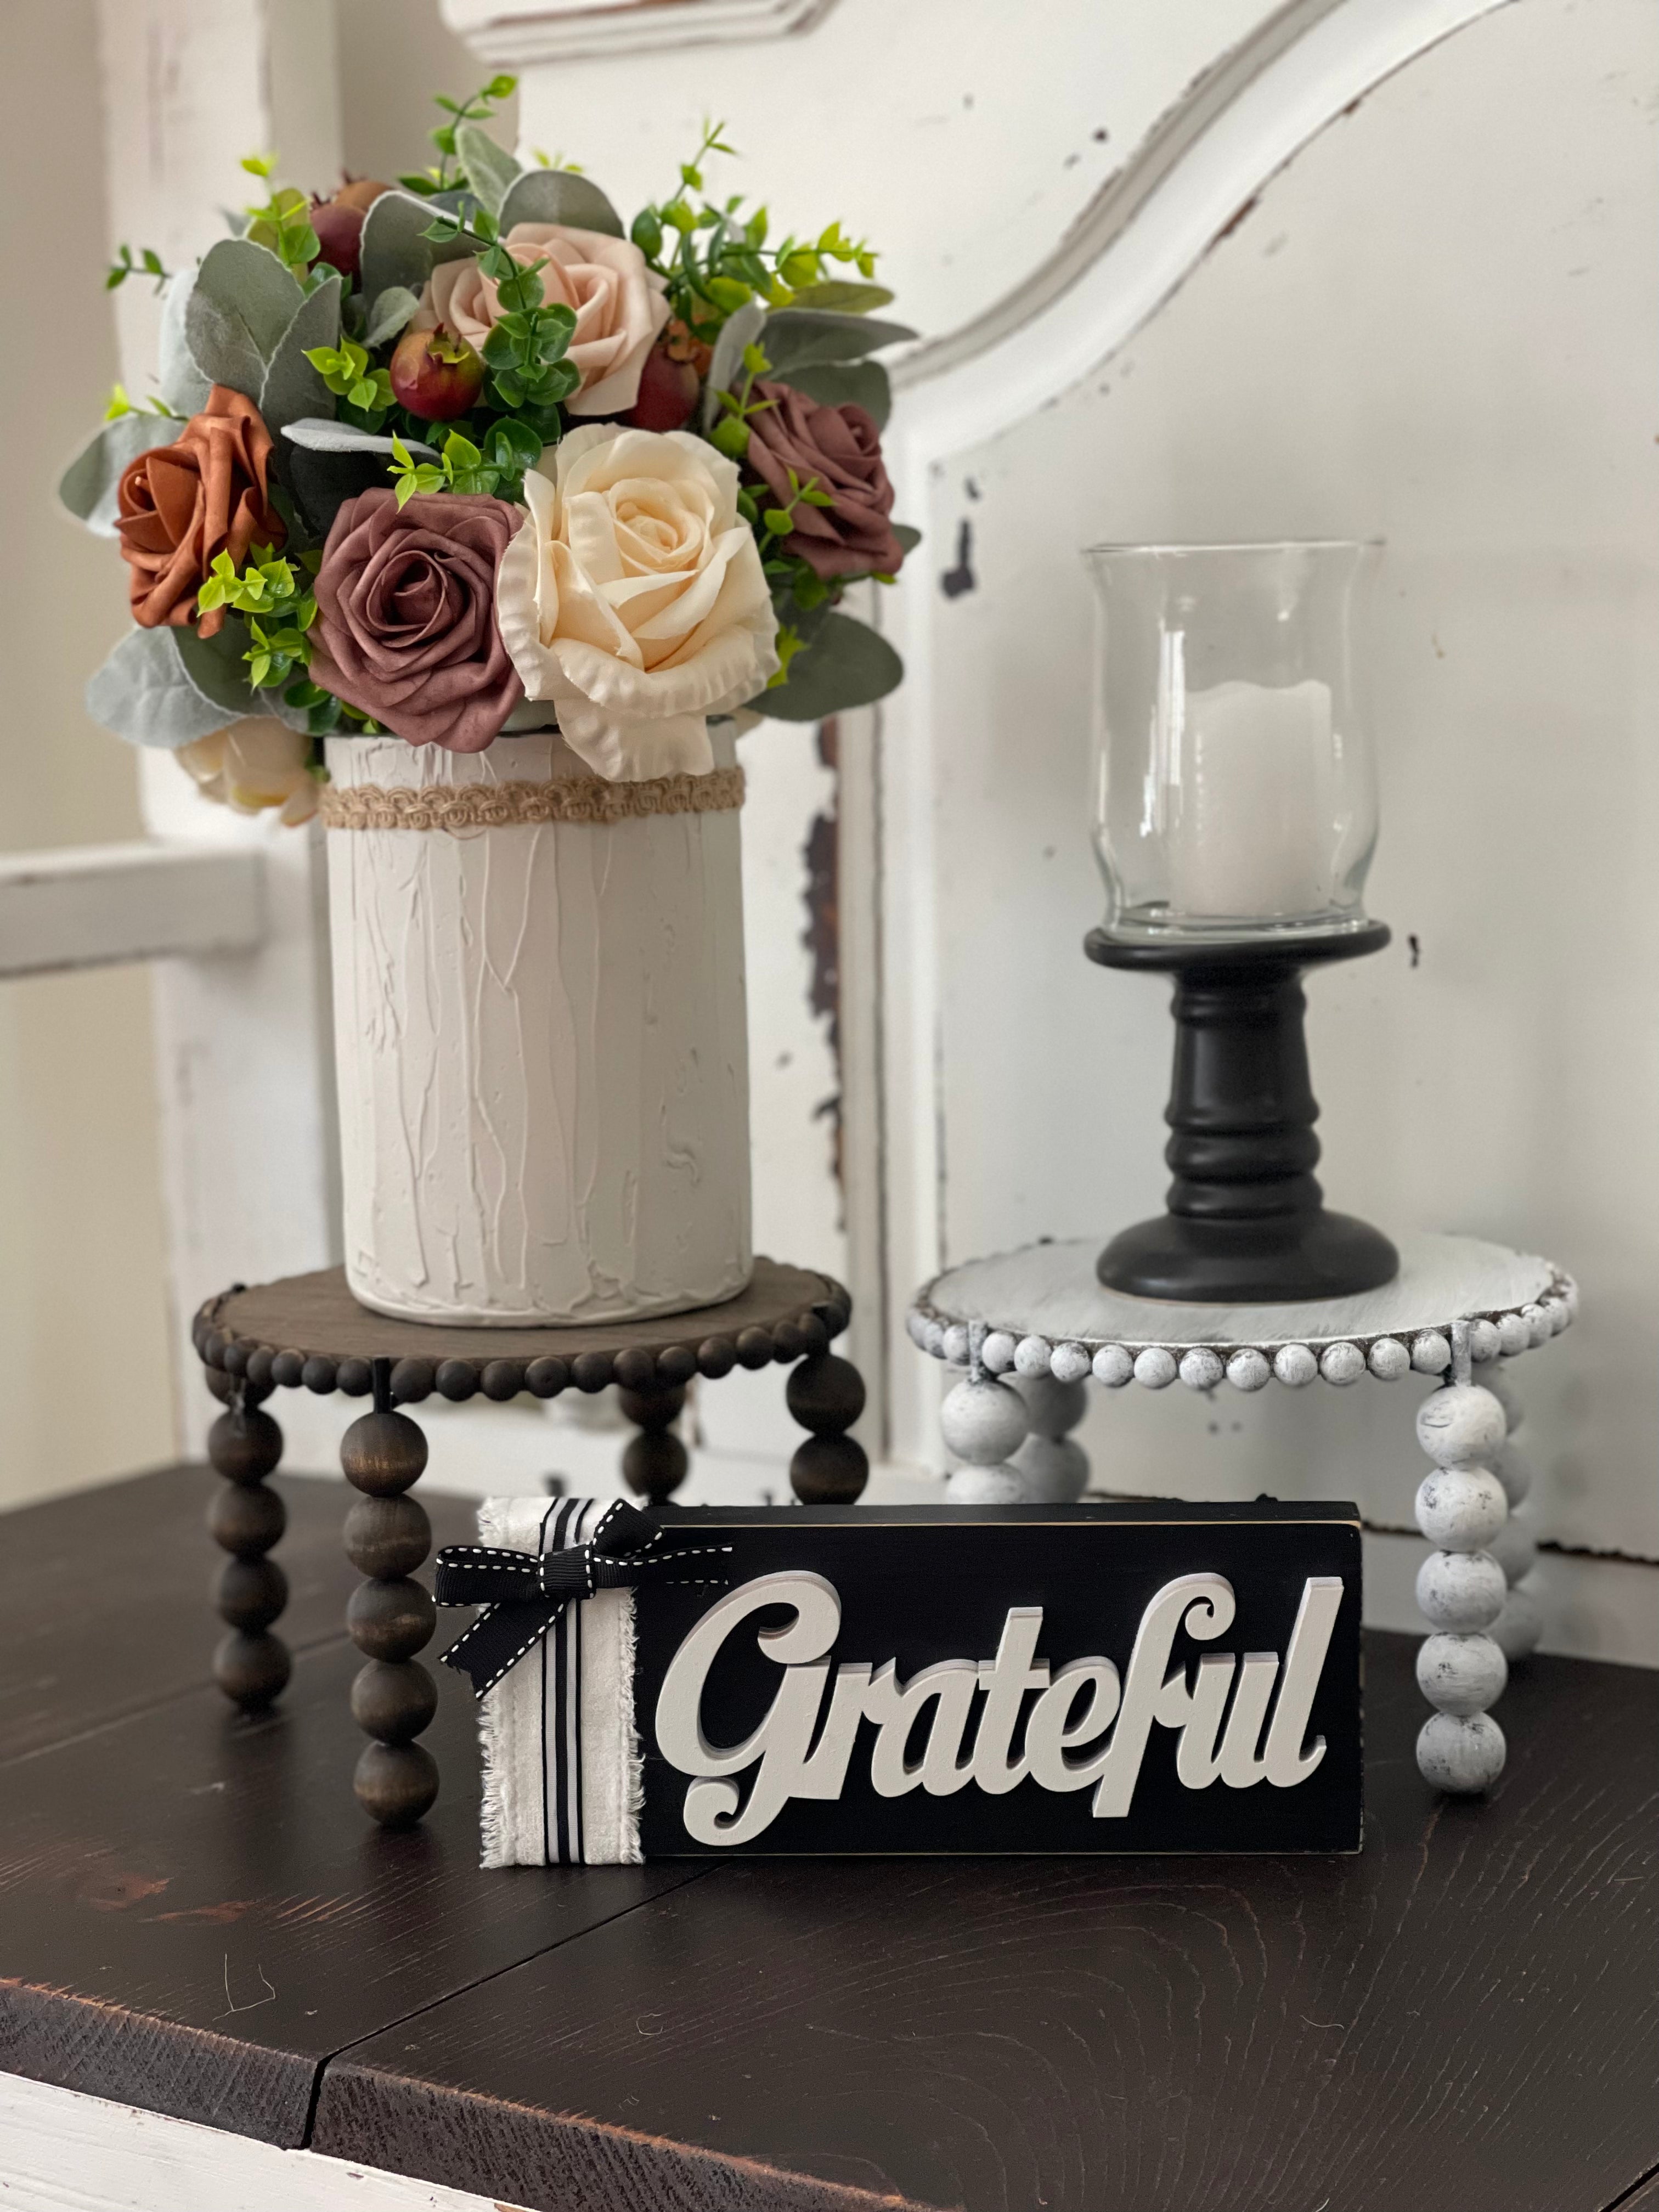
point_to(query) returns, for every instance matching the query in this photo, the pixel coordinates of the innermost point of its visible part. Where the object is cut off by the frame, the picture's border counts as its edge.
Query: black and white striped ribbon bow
(523, 1593)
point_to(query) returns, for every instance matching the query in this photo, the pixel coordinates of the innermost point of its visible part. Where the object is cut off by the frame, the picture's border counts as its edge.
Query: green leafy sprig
(278, 604)
(283, 223)
(148, 263)
(350, 374)
(495, 468)
(120, 404)
(717, 258)
(525, 351)
(477, 109)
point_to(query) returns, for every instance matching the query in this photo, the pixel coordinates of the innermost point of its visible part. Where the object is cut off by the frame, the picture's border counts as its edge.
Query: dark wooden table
(195, 1918)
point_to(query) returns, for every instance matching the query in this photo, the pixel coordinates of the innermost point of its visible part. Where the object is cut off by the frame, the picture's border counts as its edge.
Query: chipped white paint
(527, 33)
(88, 905)
(64, 2152)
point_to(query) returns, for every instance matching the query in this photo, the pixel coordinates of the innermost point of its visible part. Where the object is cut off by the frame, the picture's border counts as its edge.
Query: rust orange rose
(181, 506)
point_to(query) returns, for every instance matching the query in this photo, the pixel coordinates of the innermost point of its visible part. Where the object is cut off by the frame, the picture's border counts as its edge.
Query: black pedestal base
(1247, 1223)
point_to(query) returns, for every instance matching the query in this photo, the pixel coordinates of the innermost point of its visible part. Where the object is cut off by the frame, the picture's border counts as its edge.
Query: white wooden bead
(1200, 1369)
(932, 1340)
(1431, 1353)
(1070, 1362)
(1032, 1355)
(1516, 1629)
(1112, 1366)
(1503, 1391)
(1388, 1359)
(1538, 1324)
(1483, 1341)
(1248, 1370)
(997, 1352)
(1155, 1368)
(1459, 1426)
(1514, 1547)
(985, 1485)
(1460, 1673)
(983, 1422)
(916, 1324)
(1342, 1363)
(1513, 1334)
(1560, 1315)
(1461, 1754)
(1570, 1299)
(1051, 1406)
(956, 1344)
(1460, 1590)
(1055, 1469)
(1460, 1508)
(1295, 1364)
(1514, 1470)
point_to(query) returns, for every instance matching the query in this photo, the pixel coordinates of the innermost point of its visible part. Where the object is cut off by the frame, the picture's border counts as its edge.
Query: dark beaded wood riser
(391, 1616)
(246, 1519)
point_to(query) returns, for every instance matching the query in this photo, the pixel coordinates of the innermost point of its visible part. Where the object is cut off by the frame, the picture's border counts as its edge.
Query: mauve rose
(405, 627)
(841, 447)
(179, 506)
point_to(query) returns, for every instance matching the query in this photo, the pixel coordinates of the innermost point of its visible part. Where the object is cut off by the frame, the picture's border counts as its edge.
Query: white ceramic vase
(541, 1049)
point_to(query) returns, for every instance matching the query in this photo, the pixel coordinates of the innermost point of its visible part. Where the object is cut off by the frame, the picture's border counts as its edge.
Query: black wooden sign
(1156, 1677)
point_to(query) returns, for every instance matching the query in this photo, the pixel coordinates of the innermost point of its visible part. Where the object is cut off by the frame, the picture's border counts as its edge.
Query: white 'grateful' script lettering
(1086, 1726)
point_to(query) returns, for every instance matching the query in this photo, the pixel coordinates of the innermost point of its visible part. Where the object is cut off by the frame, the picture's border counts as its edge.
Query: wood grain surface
(318, 1314)
(194, 1912)
(107, 1597)
(1462, 2020)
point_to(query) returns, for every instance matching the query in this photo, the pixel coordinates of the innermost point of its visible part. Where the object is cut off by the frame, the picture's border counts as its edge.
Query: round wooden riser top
(309, 1330)
(1043, 1310)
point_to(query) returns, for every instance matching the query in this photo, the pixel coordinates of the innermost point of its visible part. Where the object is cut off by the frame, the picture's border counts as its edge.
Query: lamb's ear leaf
(326, 463)
(559, 196)
(180, 383)
(490, 169)
(846, 665)
(390, 313)
(801, 337)
(144, 693)
(87, 486)
(392, 251)
(741, 329)
(842, 383)
(215, 666)
(293, 389)
(843, 297)
(242, 302)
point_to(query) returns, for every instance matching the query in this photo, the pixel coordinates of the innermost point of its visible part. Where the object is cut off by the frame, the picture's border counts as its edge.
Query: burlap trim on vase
(496, 806)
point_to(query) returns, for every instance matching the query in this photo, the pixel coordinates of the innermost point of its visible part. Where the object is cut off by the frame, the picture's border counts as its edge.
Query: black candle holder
(1246, 1221)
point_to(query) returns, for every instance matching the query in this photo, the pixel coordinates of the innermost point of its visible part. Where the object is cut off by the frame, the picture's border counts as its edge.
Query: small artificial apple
(668, 392)
(436, 375)
(338, 223)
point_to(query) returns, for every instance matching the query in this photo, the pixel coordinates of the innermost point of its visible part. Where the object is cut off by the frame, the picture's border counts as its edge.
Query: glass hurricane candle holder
(1235, 784)
(1235, 820)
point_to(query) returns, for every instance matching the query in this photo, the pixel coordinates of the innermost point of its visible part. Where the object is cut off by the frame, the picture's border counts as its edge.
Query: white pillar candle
(1252, 836)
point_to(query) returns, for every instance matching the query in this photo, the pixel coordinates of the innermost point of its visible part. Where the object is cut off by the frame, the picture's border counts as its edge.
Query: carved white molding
(522, 33)
(1192, 179)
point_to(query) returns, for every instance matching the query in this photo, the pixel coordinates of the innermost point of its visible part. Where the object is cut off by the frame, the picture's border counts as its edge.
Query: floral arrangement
(461, 455)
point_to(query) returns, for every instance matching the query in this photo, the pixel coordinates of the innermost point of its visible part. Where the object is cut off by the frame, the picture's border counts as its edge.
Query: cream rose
(254, 765)
(619, 304)
(633, 598)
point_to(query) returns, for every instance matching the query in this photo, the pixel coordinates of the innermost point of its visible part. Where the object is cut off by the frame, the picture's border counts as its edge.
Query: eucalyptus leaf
(87, 486)
(242, 302)
(393, 254)
(801, 338)
(845, 383)
(907, 536)
(846, 665)
(181, 383)
(559, 196)
(215, 666)
(294, 391)
(738, 331)
(390, 313)
(841, 296)
(489, 168)
(144, 693)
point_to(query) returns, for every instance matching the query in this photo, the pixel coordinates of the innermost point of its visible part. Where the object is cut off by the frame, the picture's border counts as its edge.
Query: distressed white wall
(1439, 324)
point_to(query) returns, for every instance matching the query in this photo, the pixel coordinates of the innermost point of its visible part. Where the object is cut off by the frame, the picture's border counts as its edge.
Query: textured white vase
(542, 1052)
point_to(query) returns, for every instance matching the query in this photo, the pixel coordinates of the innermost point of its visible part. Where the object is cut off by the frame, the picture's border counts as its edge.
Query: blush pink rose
(619, 304)
(405, 627)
